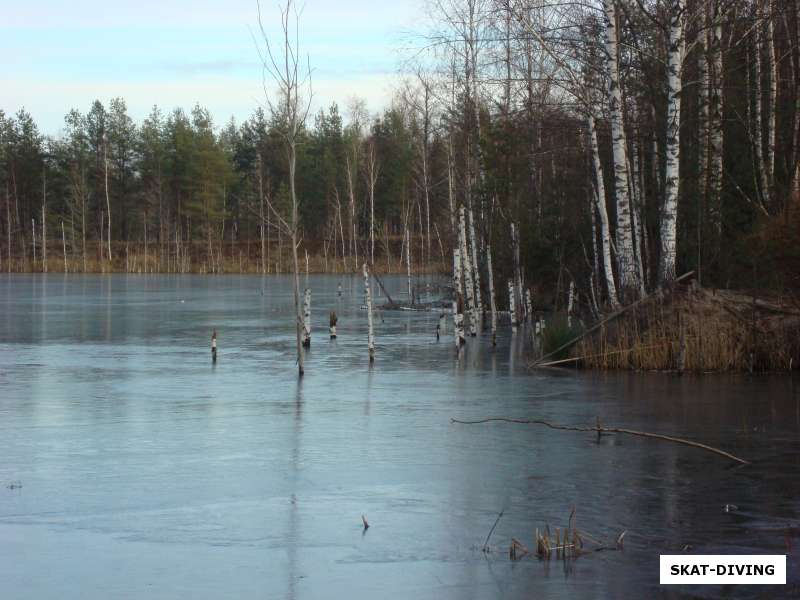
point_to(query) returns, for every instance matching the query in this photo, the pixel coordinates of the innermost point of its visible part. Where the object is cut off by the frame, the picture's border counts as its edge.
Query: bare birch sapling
(64, 245)
(368, 304)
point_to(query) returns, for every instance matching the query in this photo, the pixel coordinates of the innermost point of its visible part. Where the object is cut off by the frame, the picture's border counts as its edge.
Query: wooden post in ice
(512, 309)
(64, 244)
(466, 265)
(307, 319)
(440, 326)
(332, 323)
(570, 302)
(368, 303)
(339, 291)
(492, 299)
(458, 299)
(214, 346)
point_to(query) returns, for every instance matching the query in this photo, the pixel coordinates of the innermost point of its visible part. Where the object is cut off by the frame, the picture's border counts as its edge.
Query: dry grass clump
(700, 330)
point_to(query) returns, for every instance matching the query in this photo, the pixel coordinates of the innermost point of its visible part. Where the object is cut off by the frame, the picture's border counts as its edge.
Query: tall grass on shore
(195, 257)
(699, 330)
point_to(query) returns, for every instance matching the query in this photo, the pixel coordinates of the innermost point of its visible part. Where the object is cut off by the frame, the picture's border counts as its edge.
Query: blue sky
(56, 55)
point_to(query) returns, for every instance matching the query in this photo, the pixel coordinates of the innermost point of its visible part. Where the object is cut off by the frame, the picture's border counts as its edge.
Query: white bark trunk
(492, 299)
(624, 234)
(528, 305)
(512, 309)
(368, 303)
(669, 213)
(408, 267)
(64, 245)
(307, 319)
(458, 298)
(476, 277)
(715, 147)
(466, 265)
(772, 103)
(758, 137)
(636, 214)
(570, 303)
(44, 225)
(518, 299)
(600, 206)
(108, 198)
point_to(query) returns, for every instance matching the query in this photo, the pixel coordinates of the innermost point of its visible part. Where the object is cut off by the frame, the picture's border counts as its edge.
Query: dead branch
(601, 430)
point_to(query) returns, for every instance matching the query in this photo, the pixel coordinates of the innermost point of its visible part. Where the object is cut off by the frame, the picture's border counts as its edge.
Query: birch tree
(669, 212)
(628, 279)
(283, 65)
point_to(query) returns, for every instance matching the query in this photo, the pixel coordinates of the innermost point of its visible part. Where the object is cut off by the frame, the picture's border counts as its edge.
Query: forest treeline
(609, 144)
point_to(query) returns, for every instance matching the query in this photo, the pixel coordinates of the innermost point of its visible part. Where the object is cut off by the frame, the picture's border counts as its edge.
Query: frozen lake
(131, 467)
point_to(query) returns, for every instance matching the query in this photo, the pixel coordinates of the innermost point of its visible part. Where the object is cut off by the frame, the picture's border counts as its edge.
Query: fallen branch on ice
(601, 430)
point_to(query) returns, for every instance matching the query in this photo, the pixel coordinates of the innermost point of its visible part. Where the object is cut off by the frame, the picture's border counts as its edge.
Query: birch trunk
(372, 176)
(408, 267)
(450, 189)
(368, 303)
(570, 303)
(528, 305)
(467, 267)
(715, 147)
(492, 299)
(758, 137)
(600, 205)
(307, 319)
(64, 245)
(624, 234)
(108, 197)
(518, 300)
(512, 309)
(476, 277)
(458, 298)
(636, 215)
(261, 214)
(772, 103)
(669, 213)
(44, 219)
(352, 197)
(8, 228)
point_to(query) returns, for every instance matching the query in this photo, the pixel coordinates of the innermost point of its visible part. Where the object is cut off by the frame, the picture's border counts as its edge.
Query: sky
(57, 55)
